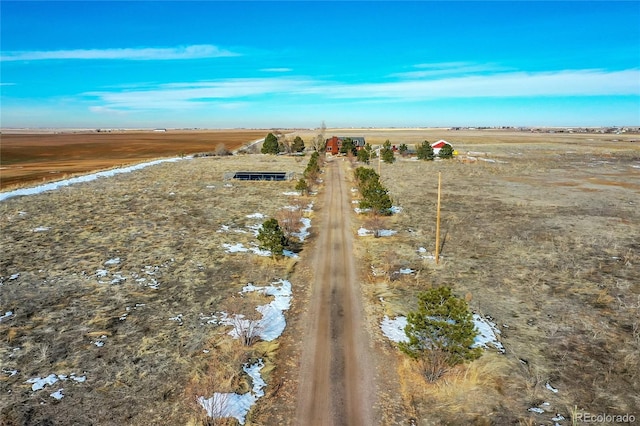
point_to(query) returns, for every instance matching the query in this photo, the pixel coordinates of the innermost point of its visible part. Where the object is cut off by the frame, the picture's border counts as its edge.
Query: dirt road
(336, 379)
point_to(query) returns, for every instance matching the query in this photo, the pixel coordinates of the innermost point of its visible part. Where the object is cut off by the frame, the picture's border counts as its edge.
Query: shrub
(221, 150)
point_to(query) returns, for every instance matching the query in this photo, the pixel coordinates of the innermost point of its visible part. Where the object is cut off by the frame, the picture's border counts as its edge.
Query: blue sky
(214, 64)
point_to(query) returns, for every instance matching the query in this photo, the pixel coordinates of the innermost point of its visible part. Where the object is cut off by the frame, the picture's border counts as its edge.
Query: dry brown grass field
(33, 157)
(162, 224)
(540, 232)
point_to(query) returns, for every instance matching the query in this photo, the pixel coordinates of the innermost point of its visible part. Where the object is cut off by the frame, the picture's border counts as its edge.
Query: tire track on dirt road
(336, 377)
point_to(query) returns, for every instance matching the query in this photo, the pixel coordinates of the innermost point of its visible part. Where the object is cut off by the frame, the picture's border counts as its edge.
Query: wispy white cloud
(197, 51)
(188, 95)
(7, 84)
(591, 82)
(442, 65)
(105, 110)
(451, 69)
(184, 95)
(276, 69)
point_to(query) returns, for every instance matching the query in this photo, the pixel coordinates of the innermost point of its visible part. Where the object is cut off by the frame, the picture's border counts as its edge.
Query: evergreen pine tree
(376, 197)
(425, 151)
(302, 186)
(348, 146)
(298, 144)
(387, 153)
(446, 151)
(271, 237)
(442, 323)
(363, 156)
(270, 144)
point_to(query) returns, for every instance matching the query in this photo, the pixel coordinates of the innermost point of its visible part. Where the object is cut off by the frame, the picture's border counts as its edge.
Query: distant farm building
(334, 144)
(271, 176)
(437, 146)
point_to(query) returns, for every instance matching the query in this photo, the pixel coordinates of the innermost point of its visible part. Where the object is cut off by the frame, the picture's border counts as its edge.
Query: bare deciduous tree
(375, 223)
(247, 330)
(289, 219)
(221, 150)
(284, 144)
(319, 141)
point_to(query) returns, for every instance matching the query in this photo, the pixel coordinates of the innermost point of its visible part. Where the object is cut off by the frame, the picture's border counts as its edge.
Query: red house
(334, 144)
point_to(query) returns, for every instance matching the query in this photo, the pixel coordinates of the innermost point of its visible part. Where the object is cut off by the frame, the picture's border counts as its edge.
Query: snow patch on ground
(235, 248)
(222, 405)
(240, 248)
(551, 388)
(58, 394)
(487, 332)
(394, 328)
(38, 383)
(273, 322)
(303, 233)
(363, 232)
(393, 209)
(100, 343)
(6, 315)
(145, 277)
(360, 211)
(11, 373)
(423, 254)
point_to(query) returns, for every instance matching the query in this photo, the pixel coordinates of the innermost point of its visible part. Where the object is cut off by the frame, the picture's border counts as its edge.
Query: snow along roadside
(51, 186)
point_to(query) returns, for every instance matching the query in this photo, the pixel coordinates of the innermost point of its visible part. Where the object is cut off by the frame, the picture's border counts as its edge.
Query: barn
(437, 146)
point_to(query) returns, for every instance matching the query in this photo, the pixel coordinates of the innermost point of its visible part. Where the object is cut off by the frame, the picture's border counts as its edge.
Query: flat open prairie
(120, 286)
(28, 158)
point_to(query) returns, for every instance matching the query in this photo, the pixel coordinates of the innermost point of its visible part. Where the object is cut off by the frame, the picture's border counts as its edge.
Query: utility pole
(438, 221)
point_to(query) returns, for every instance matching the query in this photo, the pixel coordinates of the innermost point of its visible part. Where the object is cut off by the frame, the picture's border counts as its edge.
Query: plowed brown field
(28, 158)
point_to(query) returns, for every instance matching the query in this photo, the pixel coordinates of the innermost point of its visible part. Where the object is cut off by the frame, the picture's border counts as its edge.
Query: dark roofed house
(334, 144)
